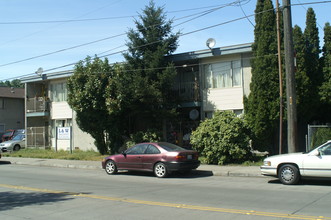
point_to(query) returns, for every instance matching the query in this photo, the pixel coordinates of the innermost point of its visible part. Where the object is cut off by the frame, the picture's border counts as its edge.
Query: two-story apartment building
(11, 109)
(207, 80)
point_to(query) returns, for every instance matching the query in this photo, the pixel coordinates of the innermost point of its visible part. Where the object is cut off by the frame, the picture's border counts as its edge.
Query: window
(59, 92)
(152, 150)
(238, 111)
(2, 128)
(326, 150)
(2, 103)
(222, 75)
(209, 114)
(138, 149)
(60, 123)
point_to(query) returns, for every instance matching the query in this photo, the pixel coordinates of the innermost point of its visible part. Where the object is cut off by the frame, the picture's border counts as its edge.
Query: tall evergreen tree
(262, 104)
(303, 82)
(325, 90)
(312, 47)
(311, 59)
(148, 76)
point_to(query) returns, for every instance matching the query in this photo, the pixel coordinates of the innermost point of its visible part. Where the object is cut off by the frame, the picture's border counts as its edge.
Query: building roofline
(233, 49)
(11, 92)
(193, 55)
(48, 76)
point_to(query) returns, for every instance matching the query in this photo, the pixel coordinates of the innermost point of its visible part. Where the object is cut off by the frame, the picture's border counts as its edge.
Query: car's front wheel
(160, 170)
(289, 174)
(16, 147)
(111, 167)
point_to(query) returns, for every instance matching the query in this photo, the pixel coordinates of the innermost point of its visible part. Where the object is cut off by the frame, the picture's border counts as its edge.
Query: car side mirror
(124, 154)
(316, 153)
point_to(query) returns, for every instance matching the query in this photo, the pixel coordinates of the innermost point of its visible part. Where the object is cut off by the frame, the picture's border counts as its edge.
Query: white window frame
(222, 75)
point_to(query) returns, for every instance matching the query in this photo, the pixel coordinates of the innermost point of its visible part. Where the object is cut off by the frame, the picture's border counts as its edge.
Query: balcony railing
(37, 137)
(37, 104)
(188, 91)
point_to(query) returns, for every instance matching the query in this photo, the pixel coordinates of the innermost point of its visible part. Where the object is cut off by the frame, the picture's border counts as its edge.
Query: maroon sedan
(161, 158)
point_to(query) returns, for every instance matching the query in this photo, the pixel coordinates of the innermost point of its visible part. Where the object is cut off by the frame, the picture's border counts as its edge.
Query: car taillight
(180, 157)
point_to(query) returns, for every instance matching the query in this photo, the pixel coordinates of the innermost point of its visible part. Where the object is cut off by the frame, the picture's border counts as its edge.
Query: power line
(198, 30)
(97, 19)
(111, 37)
(118, 52)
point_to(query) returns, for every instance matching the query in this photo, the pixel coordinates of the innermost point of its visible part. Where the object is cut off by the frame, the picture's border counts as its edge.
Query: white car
(14, 144)
(290, 168)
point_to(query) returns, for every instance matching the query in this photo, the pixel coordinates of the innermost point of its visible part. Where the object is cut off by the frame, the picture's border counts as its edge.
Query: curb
(210, 170)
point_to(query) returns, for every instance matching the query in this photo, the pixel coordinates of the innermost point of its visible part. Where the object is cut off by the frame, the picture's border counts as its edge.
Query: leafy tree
(222, 139)
(147, 79)
(16, 83)
(87, 97)
(262, 104)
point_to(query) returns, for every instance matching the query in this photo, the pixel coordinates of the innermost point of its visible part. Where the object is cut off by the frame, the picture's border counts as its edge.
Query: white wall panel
(60, 110)
(223, 99)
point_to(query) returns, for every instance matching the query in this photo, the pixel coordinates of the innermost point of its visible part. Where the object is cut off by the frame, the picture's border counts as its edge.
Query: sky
(54, 35)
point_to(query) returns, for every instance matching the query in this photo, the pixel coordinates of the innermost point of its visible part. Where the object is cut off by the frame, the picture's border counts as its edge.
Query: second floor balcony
(37, 105)
(188, 91)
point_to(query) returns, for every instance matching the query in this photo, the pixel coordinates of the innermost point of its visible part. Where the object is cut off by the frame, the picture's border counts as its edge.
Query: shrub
(141, 136)
(223, 139)
(321, 136)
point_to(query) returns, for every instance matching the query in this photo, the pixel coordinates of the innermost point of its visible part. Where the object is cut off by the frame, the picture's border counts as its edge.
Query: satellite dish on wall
(39, 71)
(194, 114)
(211, 43)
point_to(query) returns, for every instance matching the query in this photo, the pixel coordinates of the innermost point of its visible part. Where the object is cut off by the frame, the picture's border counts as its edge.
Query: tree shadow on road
(4, 162)
(12, 200)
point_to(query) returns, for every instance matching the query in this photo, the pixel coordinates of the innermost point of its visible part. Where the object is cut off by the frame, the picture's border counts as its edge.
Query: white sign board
(63, 133)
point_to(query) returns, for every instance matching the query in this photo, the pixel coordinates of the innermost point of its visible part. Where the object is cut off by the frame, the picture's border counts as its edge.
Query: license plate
(189, 157)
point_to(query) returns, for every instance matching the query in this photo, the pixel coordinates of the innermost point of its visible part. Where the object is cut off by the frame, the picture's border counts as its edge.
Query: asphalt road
(38, 193)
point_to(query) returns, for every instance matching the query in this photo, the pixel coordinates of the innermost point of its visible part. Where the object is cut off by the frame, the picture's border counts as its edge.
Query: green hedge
(223, 139)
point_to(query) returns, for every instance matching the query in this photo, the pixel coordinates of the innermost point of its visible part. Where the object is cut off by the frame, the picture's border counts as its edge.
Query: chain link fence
(317, 135)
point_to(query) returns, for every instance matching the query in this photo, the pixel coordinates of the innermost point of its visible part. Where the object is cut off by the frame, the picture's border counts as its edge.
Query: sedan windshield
(170, 147)
(18, 137)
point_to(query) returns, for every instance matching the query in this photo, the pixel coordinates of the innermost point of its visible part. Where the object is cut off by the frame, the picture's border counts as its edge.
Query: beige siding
(82, 140)
(60, 110)
(12, 115)
(223, 99)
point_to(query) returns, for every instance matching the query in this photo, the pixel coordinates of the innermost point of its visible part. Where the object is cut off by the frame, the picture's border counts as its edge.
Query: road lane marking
(171, 205)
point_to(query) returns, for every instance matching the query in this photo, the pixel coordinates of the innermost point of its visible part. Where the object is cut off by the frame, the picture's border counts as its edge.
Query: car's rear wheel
(16, 147)
(289, 174)
(111, 167)
(160, 170)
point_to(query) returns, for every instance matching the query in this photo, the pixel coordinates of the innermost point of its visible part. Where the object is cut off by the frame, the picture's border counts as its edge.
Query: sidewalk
(241, 171)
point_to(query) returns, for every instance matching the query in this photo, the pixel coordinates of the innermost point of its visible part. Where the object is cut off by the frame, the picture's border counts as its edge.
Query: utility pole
(290, 79)
(280, 68)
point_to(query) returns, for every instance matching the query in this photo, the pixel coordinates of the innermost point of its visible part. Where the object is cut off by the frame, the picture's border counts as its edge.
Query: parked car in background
(14, 144)
(161, 158)
(8, 135)
(11, 133)
(290, 168)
